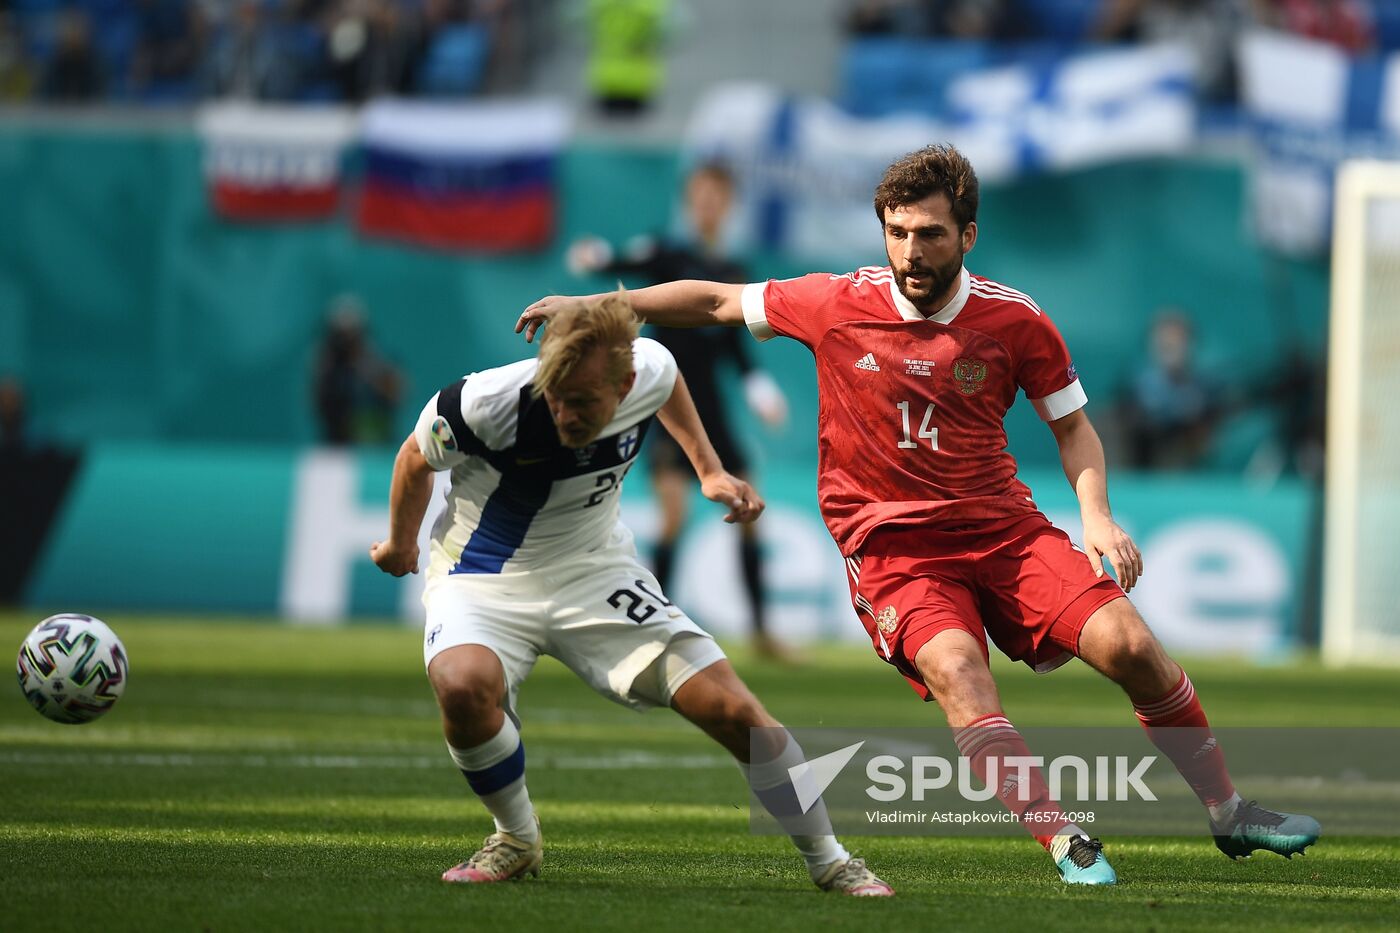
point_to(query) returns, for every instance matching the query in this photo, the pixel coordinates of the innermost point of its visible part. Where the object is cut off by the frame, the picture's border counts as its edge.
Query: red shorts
(1019, 580)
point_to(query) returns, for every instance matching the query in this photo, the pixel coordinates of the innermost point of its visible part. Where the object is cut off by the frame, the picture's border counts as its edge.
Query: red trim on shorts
(915, 636)
(1069, 624)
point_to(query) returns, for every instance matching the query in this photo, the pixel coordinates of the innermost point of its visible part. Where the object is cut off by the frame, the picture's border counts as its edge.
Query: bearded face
(925, 248)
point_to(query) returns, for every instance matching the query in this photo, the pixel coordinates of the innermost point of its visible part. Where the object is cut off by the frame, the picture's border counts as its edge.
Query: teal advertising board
(286, 532)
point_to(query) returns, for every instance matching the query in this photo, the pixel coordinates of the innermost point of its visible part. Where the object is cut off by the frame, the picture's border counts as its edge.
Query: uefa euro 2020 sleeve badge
(443, 432)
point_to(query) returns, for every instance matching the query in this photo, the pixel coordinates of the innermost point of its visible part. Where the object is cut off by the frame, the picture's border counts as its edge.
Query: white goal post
(1361, 581)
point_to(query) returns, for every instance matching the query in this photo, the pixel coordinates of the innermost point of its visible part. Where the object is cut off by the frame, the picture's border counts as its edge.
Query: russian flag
(461, 177)
(274, 163)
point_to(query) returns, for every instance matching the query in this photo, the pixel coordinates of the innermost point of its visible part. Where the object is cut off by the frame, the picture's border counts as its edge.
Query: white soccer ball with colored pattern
(72, 668)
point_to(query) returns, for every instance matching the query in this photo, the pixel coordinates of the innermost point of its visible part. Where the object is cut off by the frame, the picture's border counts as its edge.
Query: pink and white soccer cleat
(501, 857)
(853, 878)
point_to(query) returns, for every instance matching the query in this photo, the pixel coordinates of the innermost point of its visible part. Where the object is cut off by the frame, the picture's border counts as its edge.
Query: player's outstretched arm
(687, 303)
(681, 419)
(1081, 454)
(409, 492)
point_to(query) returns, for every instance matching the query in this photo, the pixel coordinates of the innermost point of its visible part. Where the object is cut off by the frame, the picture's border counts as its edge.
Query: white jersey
(519, 498)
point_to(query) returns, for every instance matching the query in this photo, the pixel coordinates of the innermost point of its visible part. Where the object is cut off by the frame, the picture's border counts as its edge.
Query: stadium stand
(176, 52)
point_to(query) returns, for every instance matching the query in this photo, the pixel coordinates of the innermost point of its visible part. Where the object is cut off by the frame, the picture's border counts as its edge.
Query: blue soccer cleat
(1252, 827)
(1084, 863)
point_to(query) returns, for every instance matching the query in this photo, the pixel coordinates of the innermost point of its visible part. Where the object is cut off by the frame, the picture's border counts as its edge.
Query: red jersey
(911, 426)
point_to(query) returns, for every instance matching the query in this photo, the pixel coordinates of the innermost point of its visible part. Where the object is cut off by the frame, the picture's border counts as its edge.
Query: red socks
(1177, 725)
(994, 737)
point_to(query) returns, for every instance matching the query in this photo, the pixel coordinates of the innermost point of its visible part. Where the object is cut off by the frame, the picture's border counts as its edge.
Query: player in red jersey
(917, 365)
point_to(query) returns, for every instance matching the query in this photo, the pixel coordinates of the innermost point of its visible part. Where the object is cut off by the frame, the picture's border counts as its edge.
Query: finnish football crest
(970, 375)
(443, 432)
(887, 620)
(627, 443)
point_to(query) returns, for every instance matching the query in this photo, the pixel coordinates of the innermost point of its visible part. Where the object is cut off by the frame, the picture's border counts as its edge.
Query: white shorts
(602, 614)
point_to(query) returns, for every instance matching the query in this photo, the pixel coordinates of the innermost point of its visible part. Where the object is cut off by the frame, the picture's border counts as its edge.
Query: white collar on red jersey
(945, 314)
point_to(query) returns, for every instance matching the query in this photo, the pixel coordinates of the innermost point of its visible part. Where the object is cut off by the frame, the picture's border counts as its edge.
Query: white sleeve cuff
(755, 314)
(656, 372)
(1067, 401)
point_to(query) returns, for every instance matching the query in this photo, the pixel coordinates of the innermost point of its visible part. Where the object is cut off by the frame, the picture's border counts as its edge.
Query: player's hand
(539, 313)
(1105, 540)
(393, 560)
(744, 502)
(588, 255)
(765, 398)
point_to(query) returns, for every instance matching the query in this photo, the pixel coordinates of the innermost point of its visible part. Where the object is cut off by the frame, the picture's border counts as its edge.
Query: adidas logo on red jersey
(868, 362)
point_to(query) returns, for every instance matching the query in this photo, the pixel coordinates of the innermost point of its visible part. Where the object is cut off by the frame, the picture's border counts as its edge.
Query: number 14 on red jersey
(926, 428)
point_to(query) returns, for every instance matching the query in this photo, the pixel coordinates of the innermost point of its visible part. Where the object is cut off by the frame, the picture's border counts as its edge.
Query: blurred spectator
(16, 79)
(625, 65)
(170, 40)
(1349, 24)
(244, 59)
(375, 47)
(1297, 395)
(995, 20)
(1170, 409)
(74, 74)
(305, 50)
(356, 390)
(701, 354)
(36, 479)
(1208, 27)
(886, 18)
(12, 417)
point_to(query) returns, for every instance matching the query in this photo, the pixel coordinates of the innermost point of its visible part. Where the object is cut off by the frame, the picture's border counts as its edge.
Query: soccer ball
(72, 668)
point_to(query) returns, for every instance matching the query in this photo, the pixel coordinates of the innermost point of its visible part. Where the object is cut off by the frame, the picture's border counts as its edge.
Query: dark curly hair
(930, 170)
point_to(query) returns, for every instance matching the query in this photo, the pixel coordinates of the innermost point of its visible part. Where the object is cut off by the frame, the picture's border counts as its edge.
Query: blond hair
(604, 322)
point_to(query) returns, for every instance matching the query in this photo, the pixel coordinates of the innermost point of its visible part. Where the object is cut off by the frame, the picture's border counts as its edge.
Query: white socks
(772, 784)
(1059, 846)
(495, 770)
(1220, 813)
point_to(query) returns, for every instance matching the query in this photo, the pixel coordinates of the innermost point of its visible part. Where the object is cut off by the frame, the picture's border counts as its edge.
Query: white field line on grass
(619, 760)
(376, 706)
(616, 760)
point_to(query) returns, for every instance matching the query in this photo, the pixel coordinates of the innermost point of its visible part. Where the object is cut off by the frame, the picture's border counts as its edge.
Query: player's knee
(952, 672)
(1139, 657)
(731, 715)
(467, 698)
(750, 714)
(738, 710)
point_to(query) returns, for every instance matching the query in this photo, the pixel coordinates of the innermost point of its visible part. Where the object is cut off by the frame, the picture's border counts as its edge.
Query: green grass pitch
(260, 777)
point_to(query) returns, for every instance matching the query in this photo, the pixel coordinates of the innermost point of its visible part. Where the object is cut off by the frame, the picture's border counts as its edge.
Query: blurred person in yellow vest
(16, 76)
(625, 67)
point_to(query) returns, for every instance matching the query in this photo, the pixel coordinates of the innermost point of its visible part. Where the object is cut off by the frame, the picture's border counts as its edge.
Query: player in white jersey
(530, 558)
